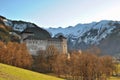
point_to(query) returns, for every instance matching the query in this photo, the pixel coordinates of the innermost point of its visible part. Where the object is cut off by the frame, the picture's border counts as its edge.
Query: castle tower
(60, 42)
(63, 44)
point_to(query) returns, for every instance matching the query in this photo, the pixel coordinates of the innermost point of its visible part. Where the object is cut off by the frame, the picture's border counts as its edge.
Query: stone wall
(36, 45)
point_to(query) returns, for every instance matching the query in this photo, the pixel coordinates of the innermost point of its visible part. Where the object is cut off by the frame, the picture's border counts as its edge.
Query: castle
(37, 39)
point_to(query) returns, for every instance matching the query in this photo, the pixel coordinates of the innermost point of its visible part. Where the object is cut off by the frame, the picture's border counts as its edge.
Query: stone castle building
(37, 39)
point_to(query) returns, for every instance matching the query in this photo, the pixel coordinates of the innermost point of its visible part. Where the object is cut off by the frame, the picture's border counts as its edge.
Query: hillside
(19, 27)
(13, 73)
(5, 30)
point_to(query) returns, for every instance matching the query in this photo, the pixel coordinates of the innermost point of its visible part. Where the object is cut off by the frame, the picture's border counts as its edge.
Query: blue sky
(60, 13)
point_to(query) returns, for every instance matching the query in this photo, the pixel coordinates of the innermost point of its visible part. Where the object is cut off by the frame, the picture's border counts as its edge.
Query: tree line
(15, 54)
(79, 66)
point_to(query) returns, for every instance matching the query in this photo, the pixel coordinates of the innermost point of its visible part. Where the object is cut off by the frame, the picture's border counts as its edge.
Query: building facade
(35, 44)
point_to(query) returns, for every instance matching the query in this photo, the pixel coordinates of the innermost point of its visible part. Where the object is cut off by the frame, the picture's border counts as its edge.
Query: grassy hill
(115, 78)
(13, 73)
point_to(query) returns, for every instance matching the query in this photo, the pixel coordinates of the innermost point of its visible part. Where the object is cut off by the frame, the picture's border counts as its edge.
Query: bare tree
(15, 54)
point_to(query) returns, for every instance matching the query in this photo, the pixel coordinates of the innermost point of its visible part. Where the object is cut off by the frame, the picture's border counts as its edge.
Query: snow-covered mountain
(83, 36)
(104, 34)
(89, 33)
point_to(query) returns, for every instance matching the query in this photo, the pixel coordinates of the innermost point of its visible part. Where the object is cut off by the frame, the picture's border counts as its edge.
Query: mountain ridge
(83, 36)
(104, 34)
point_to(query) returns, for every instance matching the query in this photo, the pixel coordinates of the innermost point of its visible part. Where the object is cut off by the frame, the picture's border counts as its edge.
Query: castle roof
(61, 37)
(38, 33)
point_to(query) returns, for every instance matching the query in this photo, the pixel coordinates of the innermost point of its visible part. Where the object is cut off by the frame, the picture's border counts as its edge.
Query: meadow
(13, 73)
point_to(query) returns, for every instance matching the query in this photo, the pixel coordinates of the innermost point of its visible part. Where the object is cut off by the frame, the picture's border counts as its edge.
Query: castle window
(33, 47)
(41, 48)
(29, 41)
(33, 42)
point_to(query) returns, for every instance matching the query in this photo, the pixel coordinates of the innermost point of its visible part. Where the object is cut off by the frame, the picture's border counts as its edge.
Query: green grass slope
(13, 73)
(116, 78)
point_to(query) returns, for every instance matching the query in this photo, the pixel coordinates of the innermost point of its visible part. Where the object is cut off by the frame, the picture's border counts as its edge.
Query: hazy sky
(60, 13)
